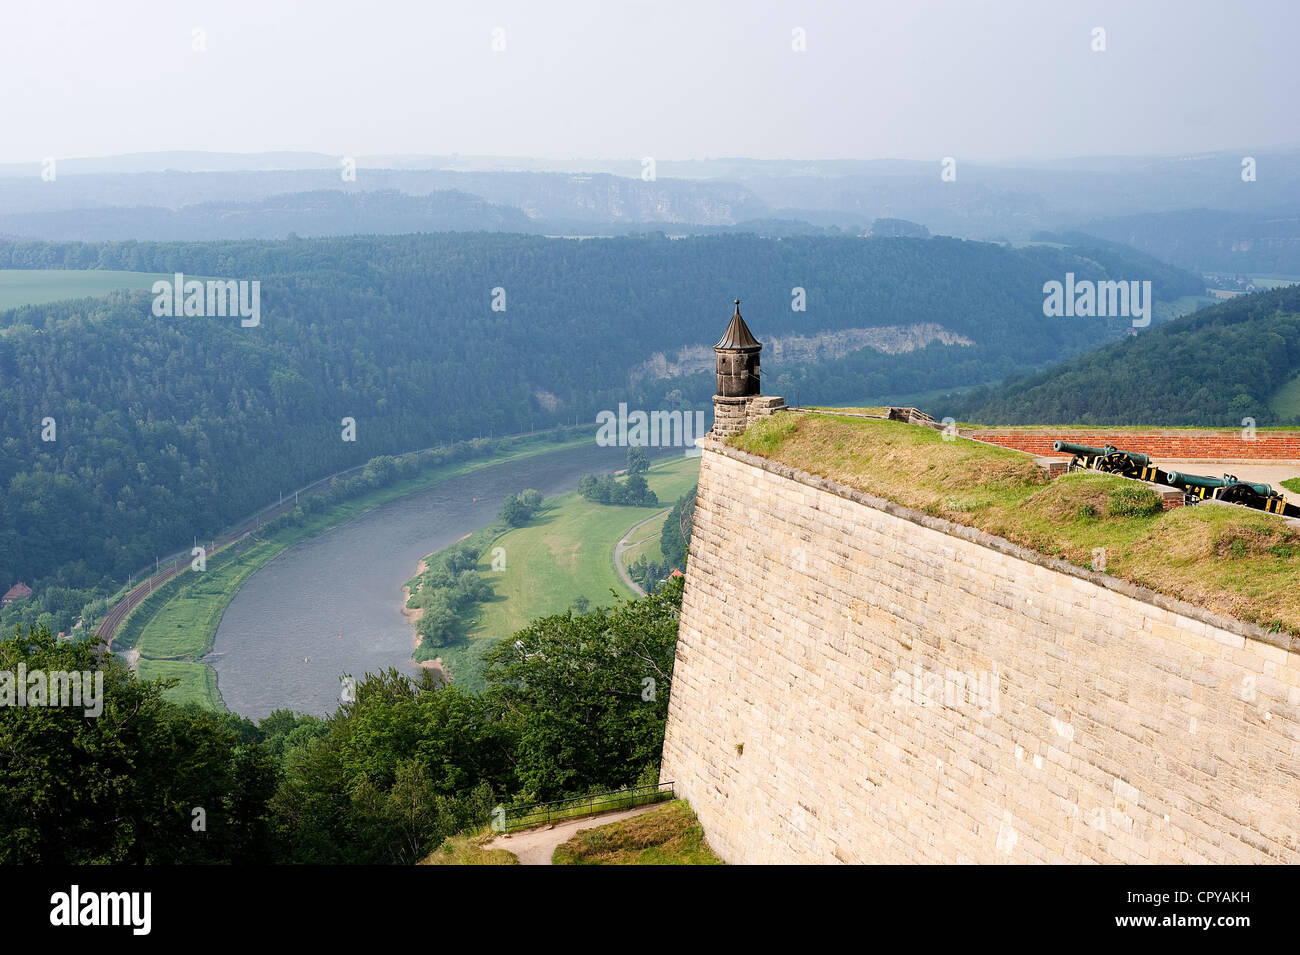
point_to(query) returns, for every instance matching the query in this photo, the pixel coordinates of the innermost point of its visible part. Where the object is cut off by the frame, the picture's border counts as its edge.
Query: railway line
(109, 626)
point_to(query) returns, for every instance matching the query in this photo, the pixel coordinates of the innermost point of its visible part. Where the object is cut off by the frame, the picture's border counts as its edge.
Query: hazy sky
(903, 79)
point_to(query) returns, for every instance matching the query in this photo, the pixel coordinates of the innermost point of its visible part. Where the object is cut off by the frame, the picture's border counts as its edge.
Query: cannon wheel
(1241, 494)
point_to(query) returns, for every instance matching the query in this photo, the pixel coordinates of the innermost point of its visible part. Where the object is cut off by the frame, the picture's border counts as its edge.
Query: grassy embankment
(468, 849)
(566, 551)
(667, 835)
(172, 638)
(1226, 558)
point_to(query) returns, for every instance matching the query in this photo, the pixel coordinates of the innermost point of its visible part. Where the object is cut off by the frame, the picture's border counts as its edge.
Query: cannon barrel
(1080, 450)
(1083, 450)
(1263, 490)
(1196, 480)
(1135, 459)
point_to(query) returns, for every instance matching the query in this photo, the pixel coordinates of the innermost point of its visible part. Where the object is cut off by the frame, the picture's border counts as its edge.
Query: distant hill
(1005, 201)
(893, 228)
(319, 213)
(1212, 240)
(1214, 367)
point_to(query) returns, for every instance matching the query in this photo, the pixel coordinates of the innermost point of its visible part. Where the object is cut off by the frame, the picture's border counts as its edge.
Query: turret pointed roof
(738, 336)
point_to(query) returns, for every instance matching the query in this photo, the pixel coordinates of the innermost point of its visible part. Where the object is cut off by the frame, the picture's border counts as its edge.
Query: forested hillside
(170, 428)
(1215, 367)
(1212, 240)
(324, 212)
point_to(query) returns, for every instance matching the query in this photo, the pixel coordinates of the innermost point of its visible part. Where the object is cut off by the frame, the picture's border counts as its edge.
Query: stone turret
(738, 400)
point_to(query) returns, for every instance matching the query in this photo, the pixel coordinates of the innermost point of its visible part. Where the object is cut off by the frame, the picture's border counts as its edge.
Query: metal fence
(512, 819)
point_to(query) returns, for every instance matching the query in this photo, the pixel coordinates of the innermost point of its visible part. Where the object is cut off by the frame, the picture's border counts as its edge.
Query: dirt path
(535, 846)
(624, 544)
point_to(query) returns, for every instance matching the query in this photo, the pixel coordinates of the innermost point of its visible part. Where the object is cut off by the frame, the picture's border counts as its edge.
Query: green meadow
(38, 286)
(565, 552)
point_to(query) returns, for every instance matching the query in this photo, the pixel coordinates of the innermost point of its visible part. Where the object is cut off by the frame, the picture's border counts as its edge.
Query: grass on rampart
(1227, 559)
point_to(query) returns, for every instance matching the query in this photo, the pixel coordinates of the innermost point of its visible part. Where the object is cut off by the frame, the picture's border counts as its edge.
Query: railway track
(109, 626)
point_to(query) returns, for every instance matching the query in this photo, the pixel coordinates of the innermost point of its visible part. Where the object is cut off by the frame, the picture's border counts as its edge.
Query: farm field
(37, 286)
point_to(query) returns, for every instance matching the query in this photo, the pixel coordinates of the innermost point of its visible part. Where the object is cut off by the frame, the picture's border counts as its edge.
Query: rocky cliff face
(889, 339)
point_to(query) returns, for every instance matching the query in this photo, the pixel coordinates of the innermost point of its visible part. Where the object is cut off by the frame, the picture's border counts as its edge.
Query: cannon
(1228, 488)
(1195, 487)
(1079, 450)
(1111, 460)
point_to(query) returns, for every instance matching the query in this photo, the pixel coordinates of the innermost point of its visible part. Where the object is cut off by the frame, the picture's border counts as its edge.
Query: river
(332, 604)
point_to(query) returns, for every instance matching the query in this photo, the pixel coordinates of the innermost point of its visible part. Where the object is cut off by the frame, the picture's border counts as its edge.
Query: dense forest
(168, 429)
(384, 780)
(1215, 367)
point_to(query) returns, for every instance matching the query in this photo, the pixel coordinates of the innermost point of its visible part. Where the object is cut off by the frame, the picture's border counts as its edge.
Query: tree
(519, 509)
(440, 624)
(121, 787)
(576, 688)
(639, 493)
(460, 558)
(638, 460)
(514, 512)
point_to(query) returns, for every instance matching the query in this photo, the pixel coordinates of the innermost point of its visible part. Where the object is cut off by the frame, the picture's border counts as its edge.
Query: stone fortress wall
(859, 682)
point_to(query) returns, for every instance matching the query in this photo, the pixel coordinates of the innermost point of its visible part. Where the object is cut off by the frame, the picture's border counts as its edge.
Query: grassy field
(1228, 559)
(645, 542)
(198, 683)
(567, 551)
(38, 286)
(669, 835)
(182, 630)
(1275, 281)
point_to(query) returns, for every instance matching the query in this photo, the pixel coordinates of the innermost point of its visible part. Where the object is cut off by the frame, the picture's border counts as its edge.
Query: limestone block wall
(857, 682)
(734, 415)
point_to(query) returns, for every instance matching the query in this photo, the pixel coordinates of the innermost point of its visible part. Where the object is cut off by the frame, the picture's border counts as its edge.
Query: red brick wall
(1172, 445)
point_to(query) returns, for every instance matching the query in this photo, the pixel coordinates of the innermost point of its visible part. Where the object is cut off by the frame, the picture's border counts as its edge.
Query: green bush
(1133, 500)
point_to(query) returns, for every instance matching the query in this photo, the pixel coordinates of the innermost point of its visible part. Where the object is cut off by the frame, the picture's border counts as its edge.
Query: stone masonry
(859, 682)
